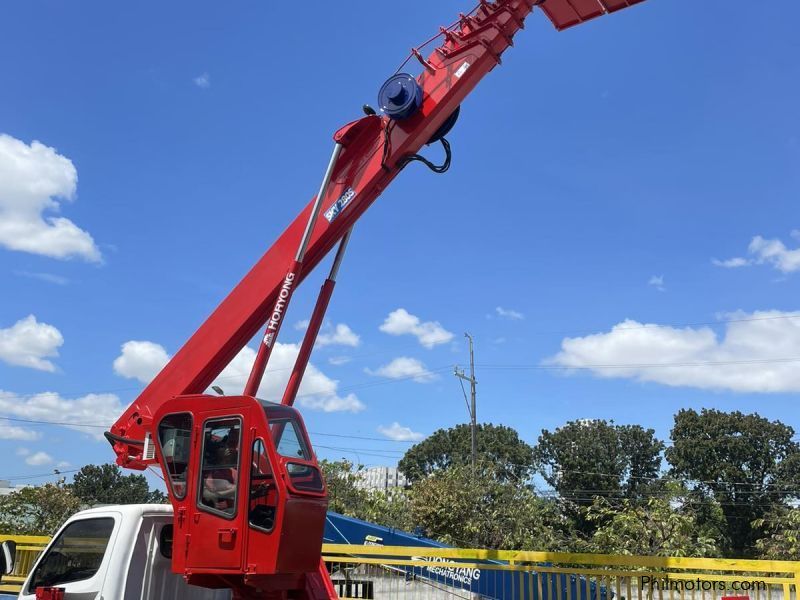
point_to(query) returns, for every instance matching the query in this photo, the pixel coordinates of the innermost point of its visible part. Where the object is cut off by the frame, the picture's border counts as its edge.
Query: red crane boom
(249, 499)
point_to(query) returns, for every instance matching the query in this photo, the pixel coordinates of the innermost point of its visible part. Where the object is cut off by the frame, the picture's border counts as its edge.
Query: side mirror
(8, 551)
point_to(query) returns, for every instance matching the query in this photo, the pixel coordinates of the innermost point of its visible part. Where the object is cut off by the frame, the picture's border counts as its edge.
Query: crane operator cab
(249, 497)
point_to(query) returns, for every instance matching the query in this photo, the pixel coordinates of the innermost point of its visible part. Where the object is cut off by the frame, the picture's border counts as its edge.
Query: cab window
(291, 444)
(220, 466)
(76, 554)
(174, 436)
(263, 492)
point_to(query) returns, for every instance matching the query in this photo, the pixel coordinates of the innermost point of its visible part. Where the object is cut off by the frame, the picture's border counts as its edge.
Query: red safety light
(249, 497)
(49, 593)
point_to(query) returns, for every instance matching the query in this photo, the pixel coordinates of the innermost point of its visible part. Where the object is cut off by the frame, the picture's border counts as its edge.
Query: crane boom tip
(568, 13)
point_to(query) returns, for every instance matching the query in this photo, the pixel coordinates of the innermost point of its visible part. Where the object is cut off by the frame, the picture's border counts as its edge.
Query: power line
(335, 435)
(382, 380)
(357, 452)
(368, 438)
(573, 494)
(361, 437)
(588, 330)
(65, 423)
(664, 476)
(585, 331)
(540, 367)
(52, 474)
(452, 455)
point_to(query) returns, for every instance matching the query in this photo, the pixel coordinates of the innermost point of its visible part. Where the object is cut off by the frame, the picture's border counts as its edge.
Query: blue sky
(640, 169)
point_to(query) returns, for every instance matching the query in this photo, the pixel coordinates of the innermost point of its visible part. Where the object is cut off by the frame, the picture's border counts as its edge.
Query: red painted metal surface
(274, 324)
(307, 346)
(273, 521)
(218, 542)
(567, 13)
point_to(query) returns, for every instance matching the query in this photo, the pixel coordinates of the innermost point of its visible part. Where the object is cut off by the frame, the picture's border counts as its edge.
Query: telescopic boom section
(374, 149)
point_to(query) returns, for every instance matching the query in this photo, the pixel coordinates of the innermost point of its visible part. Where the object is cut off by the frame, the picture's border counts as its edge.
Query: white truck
(114, 553)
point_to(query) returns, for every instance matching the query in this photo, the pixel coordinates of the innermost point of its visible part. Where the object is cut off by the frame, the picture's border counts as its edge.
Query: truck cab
(115, 553)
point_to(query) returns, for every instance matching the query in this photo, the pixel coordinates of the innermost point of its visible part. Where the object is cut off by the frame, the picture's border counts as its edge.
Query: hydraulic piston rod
(314, 325)
(289, 285)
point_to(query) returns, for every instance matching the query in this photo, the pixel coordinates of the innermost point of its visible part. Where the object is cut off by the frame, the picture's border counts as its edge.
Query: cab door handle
(226, 536)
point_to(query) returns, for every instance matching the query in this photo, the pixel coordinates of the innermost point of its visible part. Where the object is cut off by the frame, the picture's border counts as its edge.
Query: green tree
(497, 444)
(586, 459)
(480, 509)
(642, 452)
(345, 497)
(341, 477)
(662, 526)
(781, 535)
(390, 509)
(37, 510)
(749, 465)
(105, 484)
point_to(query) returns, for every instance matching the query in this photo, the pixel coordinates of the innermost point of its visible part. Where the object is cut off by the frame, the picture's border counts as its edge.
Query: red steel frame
(370, 153)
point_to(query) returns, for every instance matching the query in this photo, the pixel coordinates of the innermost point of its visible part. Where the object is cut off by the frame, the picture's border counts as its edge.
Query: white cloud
(79, 414)
(339, 335)
(657, 281)
(404, 368)
(46, 277)
(143, 360)
(763, 251)
(32, 179)
(332, 335)
(332, 402)
(508, 313)
(757, 353)
(317, 391)
(731, 263)
(429, 333)
(398, 433)
(775, 253)
(203, 81)
(12, 432)
(28, 342)
(140, 360)
(338, 361)
(38, 459)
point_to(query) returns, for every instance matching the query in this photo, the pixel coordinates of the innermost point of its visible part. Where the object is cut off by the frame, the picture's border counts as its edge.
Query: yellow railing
(28, 549)
(416, 573)
(432, 573)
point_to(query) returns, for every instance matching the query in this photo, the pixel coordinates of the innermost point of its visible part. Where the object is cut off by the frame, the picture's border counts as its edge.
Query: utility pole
(471, 405)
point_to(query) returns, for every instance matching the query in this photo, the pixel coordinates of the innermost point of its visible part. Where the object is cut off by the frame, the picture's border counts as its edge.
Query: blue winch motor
(400, 97)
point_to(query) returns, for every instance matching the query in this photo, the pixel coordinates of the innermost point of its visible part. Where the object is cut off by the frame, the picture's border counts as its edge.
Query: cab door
(216, 536)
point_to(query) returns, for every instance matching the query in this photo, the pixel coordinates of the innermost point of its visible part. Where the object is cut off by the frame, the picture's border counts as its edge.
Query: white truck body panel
(133, 566)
